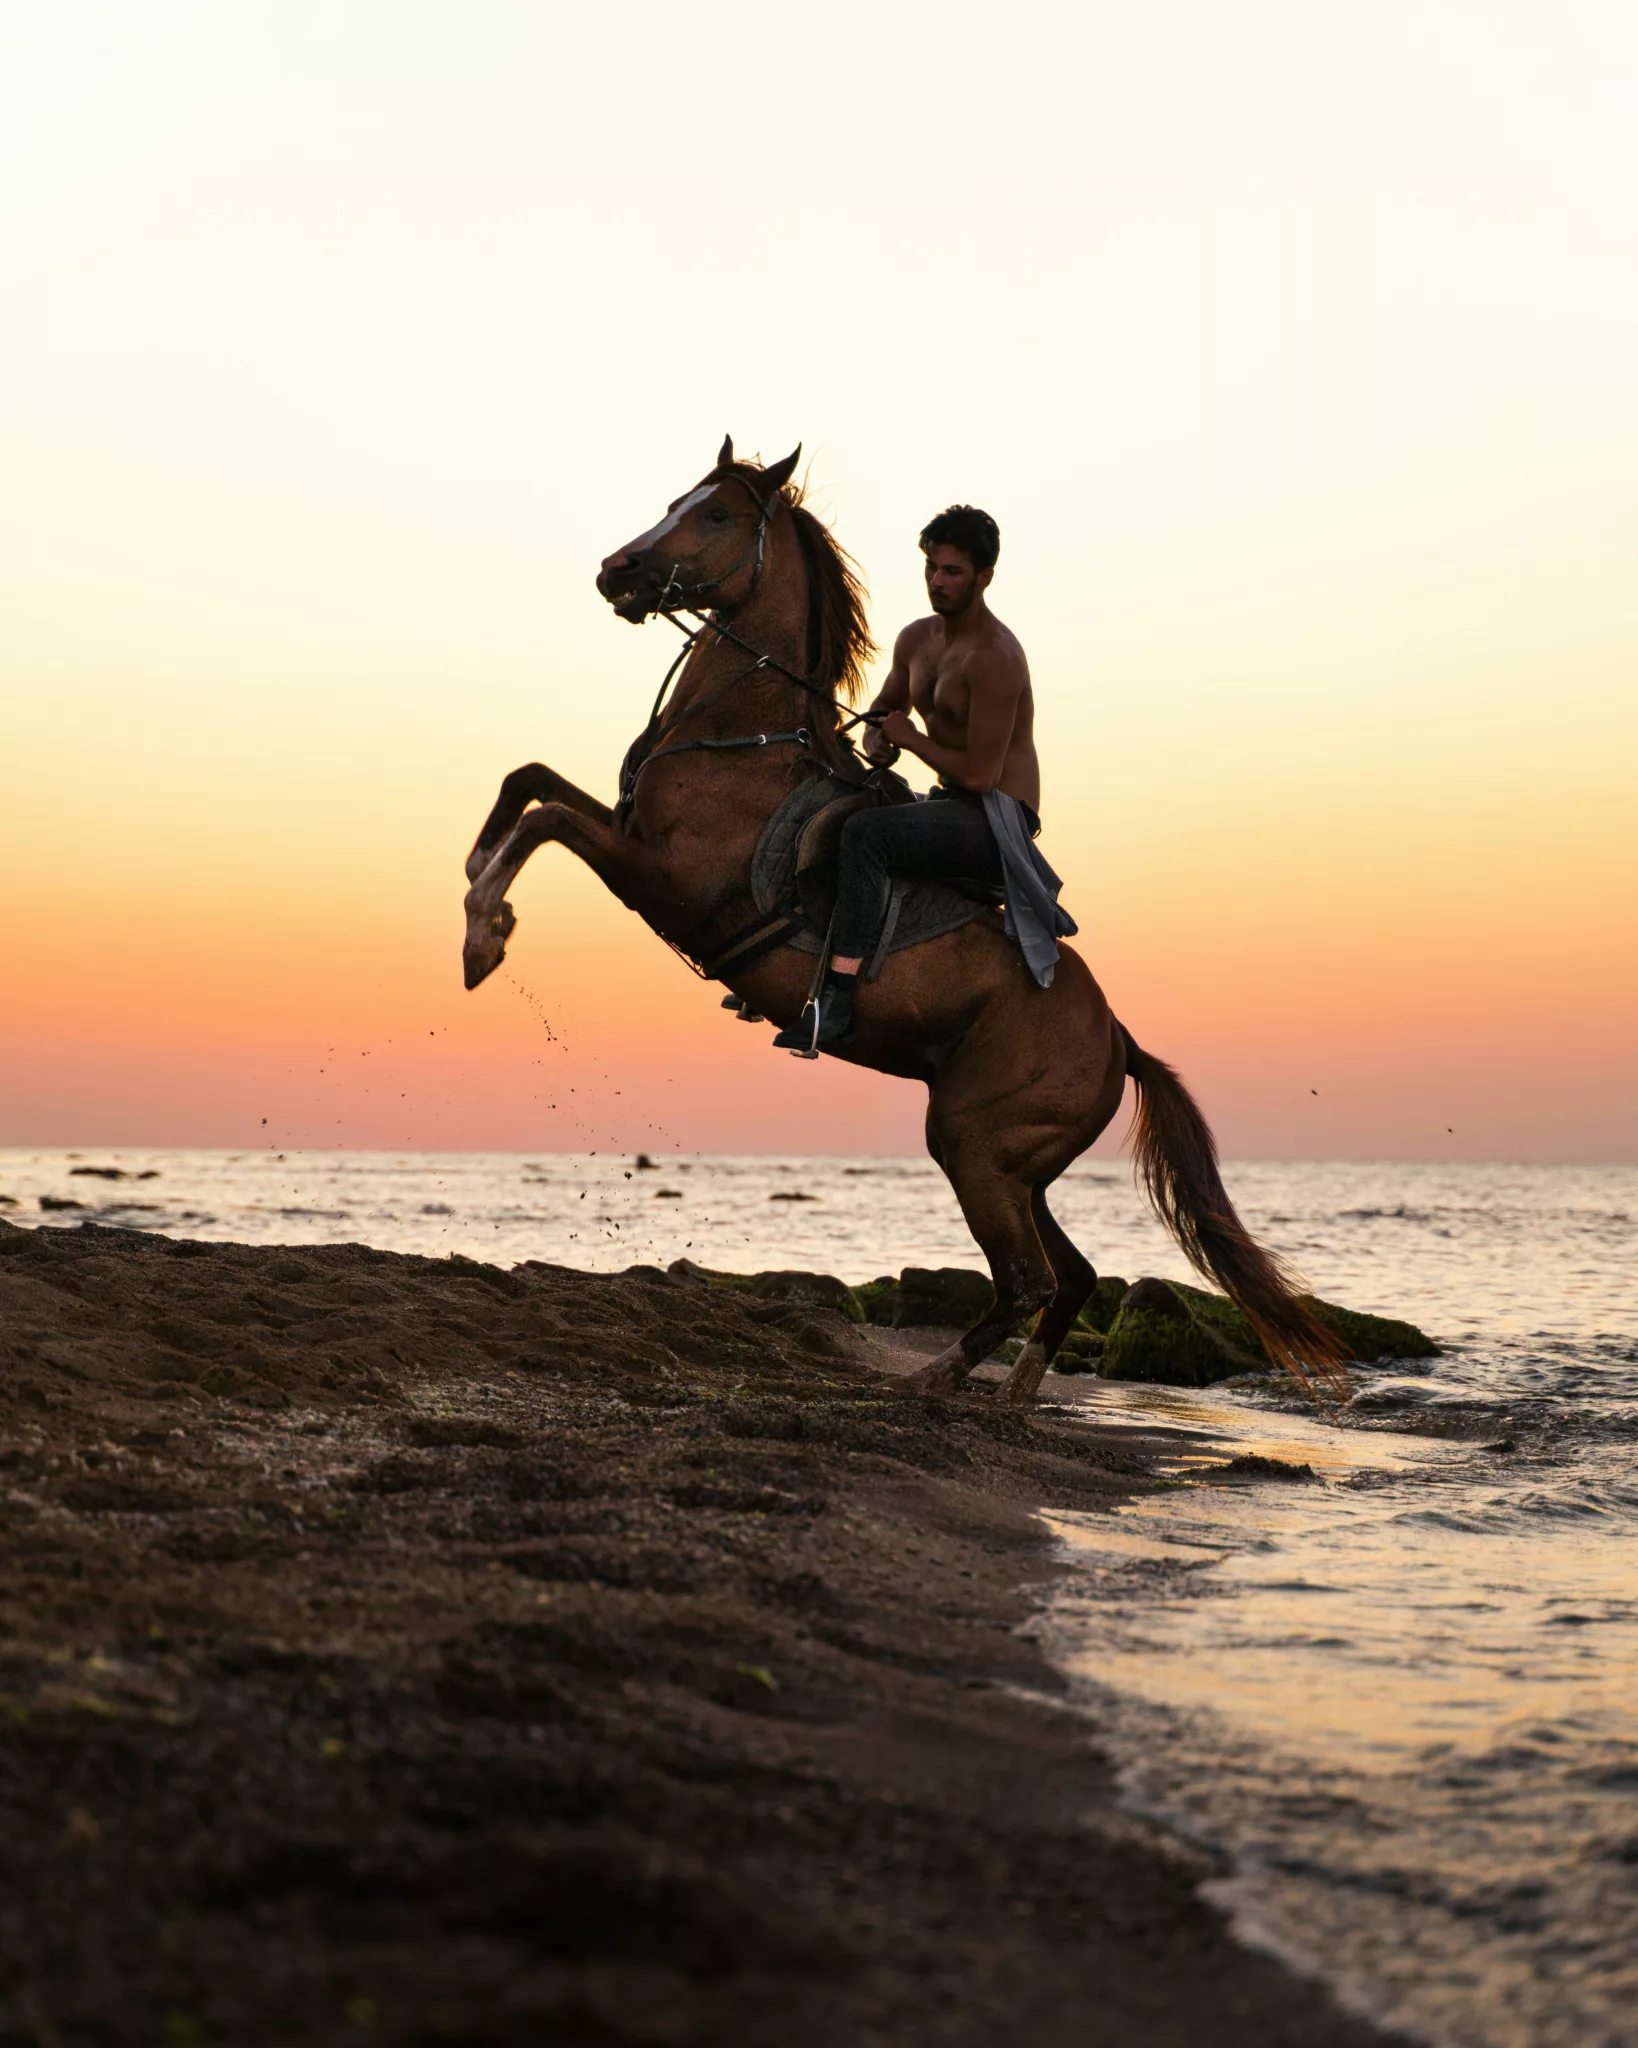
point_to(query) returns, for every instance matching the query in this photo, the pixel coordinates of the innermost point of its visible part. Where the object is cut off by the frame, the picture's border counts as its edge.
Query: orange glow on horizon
(1299, 381)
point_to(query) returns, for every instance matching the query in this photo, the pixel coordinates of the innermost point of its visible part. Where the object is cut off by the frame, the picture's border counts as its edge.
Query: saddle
(793, 872)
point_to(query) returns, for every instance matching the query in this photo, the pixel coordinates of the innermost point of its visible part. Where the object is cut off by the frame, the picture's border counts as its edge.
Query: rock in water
(1154, 1337)
(1372, 1337)
(1181, 1336)
(949, 1297)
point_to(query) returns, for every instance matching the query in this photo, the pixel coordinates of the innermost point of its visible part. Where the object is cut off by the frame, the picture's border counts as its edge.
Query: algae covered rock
(1102, 1306)
(1081, 1351)
(1156, 1337)
(1182, 1336)
(1372, 1337)
(877, 1299)
(952, 1297)
(948, 1297)
(1366, 1337)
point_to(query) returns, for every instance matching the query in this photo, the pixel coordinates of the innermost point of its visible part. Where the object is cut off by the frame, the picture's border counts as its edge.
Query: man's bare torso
(945, 673)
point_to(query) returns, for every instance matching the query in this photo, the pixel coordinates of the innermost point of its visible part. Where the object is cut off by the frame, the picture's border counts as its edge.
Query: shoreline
(409, 1649)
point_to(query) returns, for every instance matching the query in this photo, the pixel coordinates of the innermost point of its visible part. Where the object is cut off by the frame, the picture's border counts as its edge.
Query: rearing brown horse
(1020, 1079)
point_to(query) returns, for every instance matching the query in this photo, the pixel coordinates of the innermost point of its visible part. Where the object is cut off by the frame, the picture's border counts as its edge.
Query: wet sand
(408, 1650)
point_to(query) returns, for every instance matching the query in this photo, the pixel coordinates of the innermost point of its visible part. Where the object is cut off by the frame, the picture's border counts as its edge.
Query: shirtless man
(965, 674)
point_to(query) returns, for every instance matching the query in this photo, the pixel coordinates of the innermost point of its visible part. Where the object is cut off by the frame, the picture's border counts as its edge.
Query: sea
(1394, 1700)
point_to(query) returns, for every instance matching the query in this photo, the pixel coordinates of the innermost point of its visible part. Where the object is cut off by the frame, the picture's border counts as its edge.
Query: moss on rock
(1157, 1336)
(1160, 1330)
(1103, 1305)
(1183, 1336)
(877, 1299)
(947, 1297)
(1372, 1337)
(950, 1297)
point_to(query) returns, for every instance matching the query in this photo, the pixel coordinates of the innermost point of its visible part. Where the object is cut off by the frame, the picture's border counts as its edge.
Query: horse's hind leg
(997, 1207)
(1075, 1280)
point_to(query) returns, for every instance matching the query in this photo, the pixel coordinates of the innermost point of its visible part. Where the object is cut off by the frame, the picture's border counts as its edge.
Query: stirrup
(799, 1040)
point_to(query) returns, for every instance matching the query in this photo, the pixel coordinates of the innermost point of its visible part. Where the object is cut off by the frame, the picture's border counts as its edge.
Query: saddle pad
(925, 910)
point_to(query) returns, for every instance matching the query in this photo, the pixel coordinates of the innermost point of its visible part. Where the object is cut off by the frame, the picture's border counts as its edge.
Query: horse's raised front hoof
(486, 939)
(1023, 1383)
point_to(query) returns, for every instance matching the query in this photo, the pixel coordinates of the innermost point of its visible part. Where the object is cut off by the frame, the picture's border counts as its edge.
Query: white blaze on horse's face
(672, 520)
(684, 556)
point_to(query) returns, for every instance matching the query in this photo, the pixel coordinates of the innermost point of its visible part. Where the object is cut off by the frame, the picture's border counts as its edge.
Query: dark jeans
(948, 835)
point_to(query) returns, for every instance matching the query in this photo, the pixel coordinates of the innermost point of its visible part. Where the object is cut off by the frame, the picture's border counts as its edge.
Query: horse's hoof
(934, 1379)
(477, 964)
(1022, 1384)
(486, 939)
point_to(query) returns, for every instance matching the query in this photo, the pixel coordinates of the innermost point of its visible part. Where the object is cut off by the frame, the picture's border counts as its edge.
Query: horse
(1020, 1080)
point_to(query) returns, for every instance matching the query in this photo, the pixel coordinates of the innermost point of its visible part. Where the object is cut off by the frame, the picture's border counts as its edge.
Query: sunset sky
(1292, 346)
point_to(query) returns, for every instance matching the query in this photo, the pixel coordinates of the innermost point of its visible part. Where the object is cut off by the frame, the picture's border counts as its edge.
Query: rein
(759, 660)
(631, 768)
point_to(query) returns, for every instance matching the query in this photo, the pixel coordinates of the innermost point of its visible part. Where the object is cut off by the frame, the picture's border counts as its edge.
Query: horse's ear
(778, 474)
(725, 454)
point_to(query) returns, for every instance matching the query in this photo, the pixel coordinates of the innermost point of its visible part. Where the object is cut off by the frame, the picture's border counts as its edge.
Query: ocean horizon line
(85, 1149)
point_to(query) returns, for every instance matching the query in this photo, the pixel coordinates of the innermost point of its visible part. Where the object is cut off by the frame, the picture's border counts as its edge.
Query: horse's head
(707, 550)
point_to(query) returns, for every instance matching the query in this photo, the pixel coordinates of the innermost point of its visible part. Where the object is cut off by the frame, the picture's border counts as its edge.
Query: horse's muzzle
(631, 586)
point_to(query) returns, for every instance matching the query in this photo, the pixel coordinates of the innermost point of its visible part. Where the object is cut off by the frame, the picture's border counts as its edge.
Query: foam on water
(1402, 1699)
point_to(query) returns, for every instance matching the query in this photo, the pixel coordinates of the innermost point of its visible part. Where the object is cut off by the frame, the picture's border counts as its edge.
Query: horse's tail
(1176, 1159)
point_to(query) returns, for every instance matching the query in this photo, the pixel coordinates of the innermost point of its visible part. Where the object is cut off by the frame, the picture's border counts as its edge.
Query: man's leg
(944, 836)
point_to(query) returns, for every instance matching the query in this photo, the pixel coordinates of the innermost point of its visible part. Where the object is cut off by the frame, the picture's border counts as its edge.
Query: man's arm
(894, 695)
(994, 690)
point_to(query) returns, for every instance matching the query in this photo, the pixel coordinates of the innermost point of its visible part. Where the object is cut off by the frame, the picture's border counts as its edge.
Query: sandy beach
(413, 1650)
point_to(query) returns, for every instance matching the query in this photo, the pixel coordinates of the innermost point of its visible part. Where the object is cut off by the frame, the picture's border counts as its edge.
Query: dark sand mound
(406, 1650)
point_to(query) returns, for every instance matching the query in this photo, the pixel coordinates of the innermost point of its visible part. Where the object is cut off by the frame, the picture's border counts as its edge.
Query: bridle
(678, 598)
(755, 553)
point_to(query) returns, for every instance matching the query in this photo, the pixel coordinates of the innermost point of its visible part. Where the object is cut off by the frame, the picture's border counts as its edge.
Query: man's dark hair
(964, 527)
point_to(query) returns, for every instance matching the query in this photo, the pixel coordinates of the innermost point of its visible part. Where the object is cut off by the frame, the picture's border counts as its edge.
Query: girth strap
(749, 946)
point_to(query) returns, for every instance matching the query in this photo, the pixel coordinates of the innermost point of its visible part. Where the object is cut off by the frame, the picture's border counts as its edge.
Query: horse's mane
(839, 642)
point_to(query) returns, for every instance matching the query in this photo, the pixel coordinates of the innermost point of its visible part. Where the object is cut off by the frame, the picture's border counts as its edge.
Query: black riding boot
(826, 1020)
